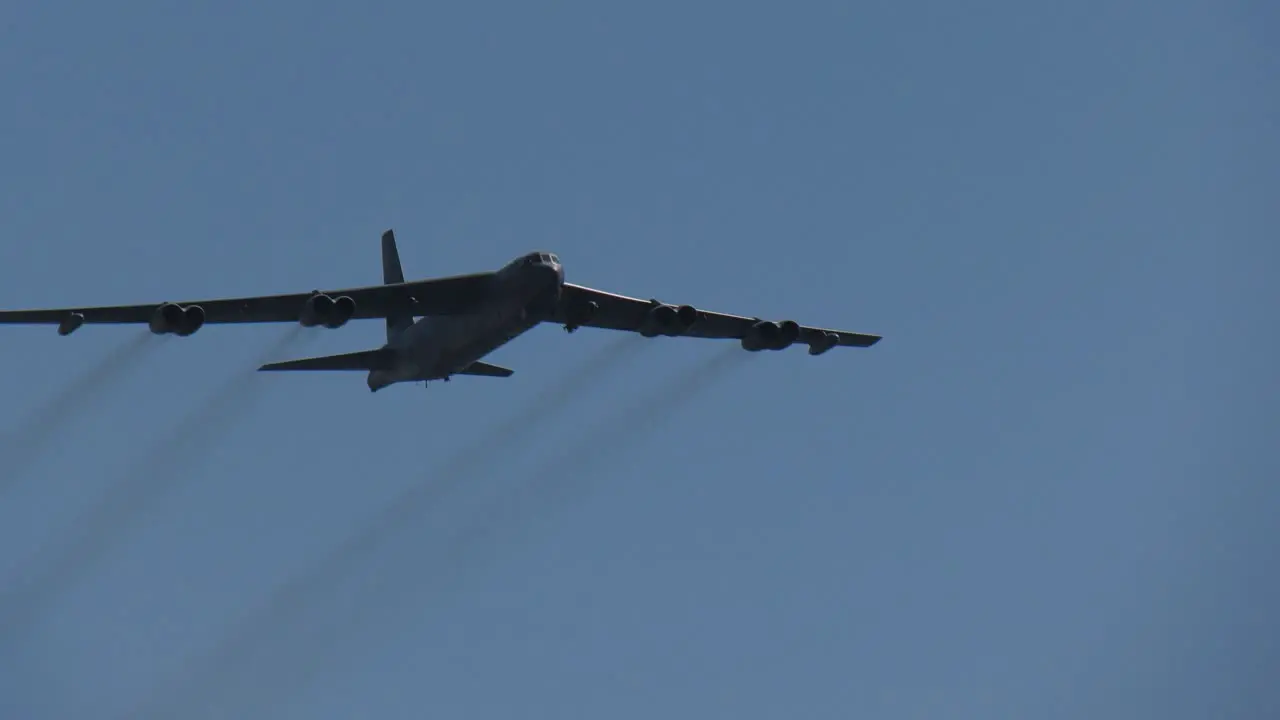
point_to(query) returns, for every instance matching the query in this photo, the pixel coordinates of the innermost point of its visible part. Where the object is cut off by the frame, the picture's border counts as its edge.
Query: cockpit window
(536, 258)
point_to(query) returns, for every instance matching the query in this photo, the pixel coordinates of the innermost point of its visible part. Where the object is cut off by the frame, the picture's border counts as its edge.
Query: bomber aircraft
(441, 327)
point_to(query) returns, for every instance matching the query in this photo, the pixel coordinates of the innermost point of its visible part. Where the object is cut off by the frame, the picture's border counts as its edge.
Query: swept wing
(587, 307)
(440, 296)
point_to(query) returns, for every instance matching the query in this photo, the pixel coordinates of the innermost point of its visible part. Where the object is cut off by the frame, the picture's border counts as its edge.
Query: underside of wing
(440, 296)
(586, 307)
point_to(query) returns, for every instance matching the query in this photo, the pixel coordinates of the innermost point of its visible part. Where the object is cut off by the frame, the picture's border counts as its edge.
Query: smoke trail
(26, 445)
(555, 483)
(549, 487)
(122, 506)
(267, 627)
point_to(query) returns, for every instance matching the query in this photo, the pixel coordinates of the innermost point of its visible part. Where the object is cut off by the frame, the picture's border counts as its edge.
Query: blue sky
(1049, 492)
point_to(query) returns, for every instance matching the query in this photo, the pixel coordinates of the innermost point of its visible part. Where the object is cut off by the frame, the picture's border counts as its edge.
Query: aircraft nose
(552, 272)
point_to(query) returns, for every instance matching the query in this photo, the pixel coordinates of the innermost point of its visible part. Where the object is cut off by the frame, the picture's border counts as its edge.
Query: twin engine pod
(669, 320)
(766, 335)
(327, 311)
(580, 314)
(172, 318)
(823, 343)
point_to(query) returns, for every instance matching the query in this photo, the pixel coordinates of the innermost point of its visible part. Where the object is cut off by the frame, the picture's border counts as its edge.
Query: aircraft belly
(484, 339)
(440, 346)
(491, 341)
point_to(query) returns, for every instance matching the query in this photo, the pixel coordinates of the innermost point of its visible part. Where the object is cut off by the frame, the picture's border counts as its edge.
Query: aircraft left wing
(582, 306)
(440, 296)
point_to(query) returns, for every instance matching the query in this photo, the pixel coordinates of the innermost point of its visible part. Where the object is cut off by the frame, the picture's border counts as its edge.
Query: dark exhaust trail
(25, 446)
(558, 482)
(204, 680)
(549, 487)
(55, 569)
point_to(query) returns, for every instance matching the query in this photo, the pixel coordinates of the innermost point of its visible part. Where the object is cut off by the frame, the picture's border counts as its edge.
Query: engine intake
(173, 319)
(789, 332)
(766, 335)
(326, 311)
(669, 320)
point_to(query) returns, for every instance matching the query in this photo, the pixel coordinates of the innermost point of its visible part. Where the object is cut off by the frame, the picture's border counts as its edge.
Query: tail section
(486, 370)
(380, 359)
(392, 274)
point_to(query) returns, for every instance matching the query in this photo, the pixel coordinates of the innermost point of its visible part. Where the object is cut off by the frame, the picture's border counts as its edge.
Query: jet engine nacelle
(329, 312)
(766, 335)
(823, 343)
(171, 318)
(580, 314)
(669, 320)
(70, 324)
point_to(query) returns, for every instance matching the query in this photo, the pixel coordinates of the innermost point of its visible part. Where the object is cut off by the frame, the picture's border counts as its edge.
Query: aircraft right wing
(588, 307)
(440, 296)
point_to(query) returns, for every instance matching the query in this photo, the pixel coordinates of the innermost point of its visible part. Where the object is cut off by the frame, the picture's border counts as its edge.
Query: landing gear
(571, 328)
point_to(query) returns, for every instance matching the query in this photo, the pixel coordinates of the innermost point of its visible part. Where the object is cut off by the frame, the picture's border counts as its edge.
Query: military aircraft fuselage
(436, 347)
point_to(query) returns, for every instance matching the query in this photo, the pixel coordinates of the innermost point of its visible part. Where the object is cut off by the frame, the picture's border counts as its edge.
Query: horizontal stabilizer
(380, 359)
(483, 368)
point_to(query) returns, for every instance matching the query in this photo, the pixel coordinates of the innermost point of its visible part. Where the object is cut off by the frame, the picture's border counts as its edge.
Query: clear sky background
(1050, 491)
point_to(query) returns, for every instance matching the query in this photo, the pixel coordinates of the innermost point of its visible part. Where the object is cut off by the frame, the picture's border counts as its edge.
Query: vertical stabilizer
(392, 273)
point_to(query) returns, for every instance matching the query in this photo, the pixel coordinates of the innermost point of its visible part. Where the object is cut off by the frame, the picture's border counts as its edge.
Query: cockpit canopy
(540, 258)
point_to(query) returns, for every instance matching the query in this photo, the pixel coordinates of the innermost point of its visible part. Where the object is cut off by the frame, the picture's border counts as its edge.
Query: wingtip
(388, 234)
